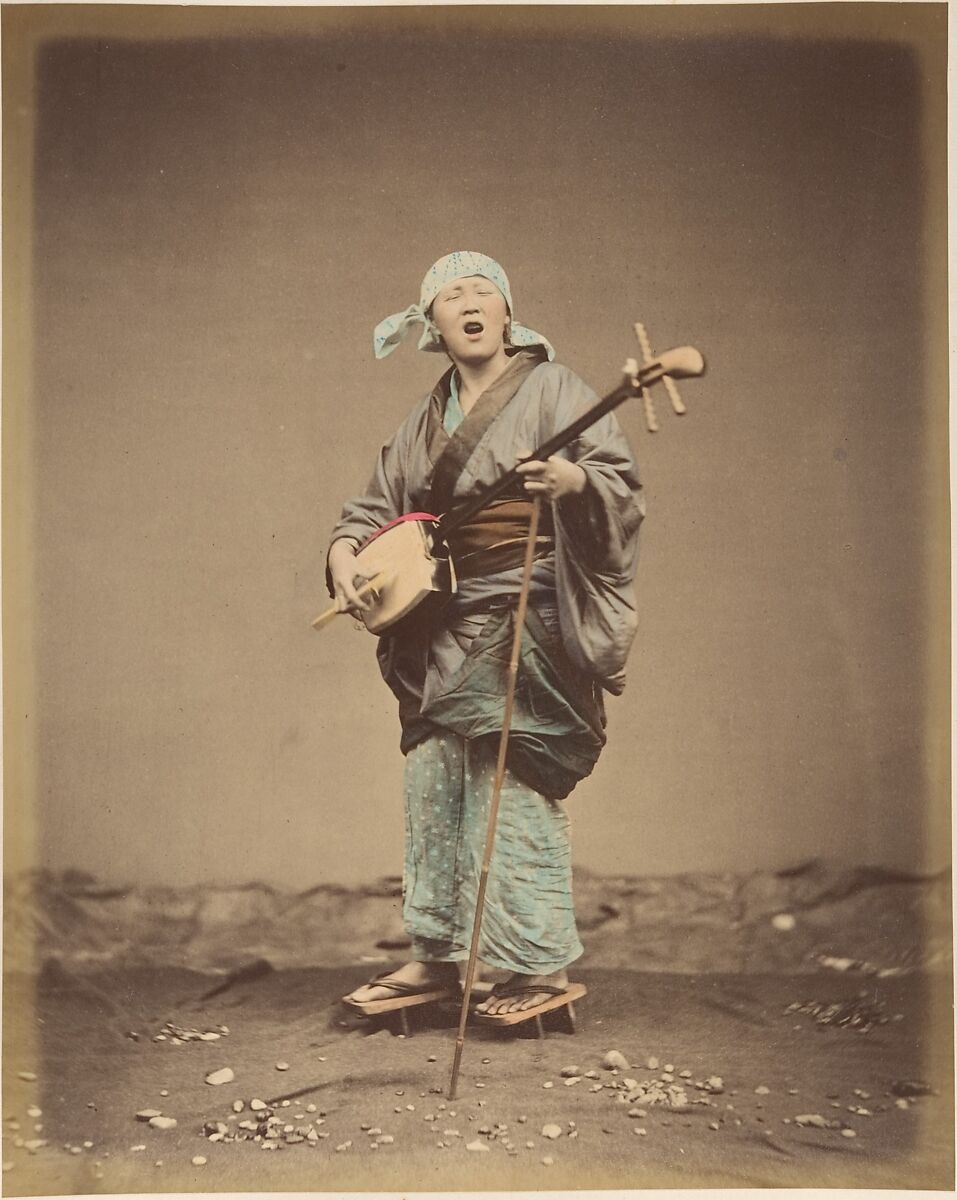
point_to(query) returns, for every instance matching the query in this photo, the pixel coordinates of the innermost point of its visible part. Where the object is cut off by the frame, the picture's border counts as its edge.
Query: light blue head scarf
(395, 329)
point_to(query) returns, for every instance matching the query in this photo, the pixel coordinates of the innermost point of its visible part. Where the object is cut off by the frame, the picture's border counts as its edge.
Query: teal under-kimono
(449, 675)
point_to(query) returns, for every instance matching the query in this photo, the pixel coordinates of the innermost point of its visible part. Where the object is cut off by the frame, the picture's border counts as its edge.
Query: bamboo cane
(496, 789)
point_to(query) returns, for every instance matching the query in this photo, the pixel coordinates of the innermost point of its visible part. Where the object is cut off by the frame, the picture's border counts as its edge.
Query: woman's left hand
(553, 478)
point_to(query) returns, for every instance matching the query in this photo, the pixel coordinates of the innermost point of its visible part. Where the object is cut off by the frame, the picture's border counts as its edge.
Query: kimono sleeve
(596, 552)
(385, 496)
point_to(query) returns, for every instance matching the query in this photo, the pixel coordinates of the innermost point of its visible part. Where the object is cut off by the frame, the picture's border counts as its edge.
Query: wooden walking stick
(496, 788)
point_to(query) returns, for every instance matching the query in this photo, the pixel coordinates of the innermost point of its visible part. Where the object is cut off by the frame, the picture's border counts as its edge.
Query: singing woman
(502, 395)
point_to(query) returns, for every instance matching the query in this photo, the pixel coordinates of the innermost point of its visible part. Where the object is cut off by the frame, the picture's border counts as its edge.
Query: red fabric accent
(416, 516)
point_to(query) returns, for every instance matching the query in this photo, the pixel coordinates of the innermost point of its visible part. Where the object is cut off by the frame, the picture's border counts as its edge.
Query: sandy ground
(92, 1078)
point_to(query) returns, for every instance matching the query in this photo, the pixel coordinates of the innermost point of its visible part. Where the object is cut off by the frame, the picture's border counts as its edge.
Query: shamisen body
(502, 394)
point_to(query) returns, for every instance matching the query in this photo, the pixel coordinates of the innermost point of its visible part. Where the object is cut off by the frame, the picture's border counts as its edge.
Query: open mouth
(474, 327)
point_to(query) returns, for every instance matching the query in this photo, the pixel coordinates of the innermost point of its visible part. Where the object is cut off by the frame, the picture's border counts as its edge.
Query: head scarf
(395, 329)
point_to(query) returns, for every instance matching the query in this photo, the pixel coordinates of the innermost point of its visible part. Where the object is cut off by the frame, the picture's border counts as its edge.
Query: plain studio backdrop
(208, 210)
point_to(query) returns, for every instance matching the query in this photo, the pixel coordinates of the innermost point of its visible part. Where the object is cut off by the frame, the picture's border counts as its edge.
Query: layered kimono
(449, 675)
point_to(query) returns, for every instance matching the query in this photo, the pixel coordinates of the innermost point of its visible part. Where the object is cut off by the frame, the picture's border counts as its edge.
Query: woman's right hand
(344, 573)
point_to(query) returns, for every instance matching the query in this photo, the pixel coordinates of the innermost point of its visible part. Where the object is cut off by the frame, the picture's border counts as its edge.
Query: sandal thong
(406, 995)
(558, 998)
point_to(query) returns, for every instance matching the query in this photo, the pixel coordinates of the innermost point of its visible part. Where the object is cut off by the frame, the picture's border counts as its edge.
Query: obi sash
(496, 537)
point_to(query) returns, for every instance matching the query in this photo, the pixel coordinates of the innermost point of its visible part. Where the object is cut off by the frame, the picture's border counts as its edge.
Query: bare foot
(497, 1005)
(416, 974)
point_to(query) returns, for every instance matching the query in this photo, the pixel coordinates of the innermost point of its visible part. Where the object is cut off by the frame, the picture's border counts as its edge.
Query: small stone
(76, 1150)
(573, 1133)
(432, 1058)
(223, 1075)
(87, 1145)
(147, 1114)
(910, 1087)
(163, 1122)
(136, 1149)
(8, 1166)
(385, 1139)
(343, 1146)
(815, 1120)
(568, 1072)
(410, 1108)
(285, 1104)
(238, 1106)
(639, 1129)
(164, 1092)
(667, 1077)
(551, 1131)
(714, 1084)
(478, 1144)
(713, 1125)
(784, 922)
(27, 1076)
(902, 1103)
(762, 1091)
(282, 1066)
(198, 1160)
(547, 1161)
(639, 1113)
(652, 1063)
(669, 1066)
(614, 1060)
(572, 1081)
(486, 1061)
(34, 1112)
(549, 1084)
(310, 1108)
(258, 1105)
(849, 1133)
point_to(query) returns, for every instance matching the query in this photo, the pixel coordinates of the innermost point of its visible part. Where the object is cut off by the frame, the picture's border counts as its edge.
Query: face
(471, 316)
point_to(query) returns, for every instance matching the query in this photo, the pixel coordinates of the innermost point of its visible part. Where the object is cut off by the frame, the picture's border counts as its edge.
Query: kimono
(449, 674)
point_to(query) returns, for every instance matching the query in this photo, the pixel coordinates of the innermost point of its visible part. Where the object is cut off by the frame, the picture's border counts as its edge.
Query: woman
(502, 396)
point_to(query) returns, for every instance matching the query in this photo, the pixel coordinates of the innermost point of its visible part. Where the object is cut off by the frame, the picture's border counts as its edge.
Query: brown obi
(495, 539)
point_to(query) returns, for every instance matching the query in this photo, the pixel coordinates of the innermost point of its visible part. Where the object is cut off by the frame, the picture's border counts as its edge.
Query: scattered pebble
(27, 1076)
(652, 1063)
(223, 1075)
(784, 922)
(614, 1060)
(849, 1133)
(198, 1160)
(282, 1066)
(815, 1120)
(639, 1129)
(547, 1161)
(573, 1080)
(910, 1087)
(147, 1114)
(238, 1106)
(162, 1122)
(551, 1131)
(478, 1144)
(549, 1084)
(258, 1105)
(34, 1112)
(762, 1091)
(567, 1072)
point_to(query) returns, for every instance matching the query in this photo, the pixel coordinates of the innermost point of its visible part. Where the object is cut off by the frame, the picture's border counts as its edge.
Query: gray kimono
(450, 674)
